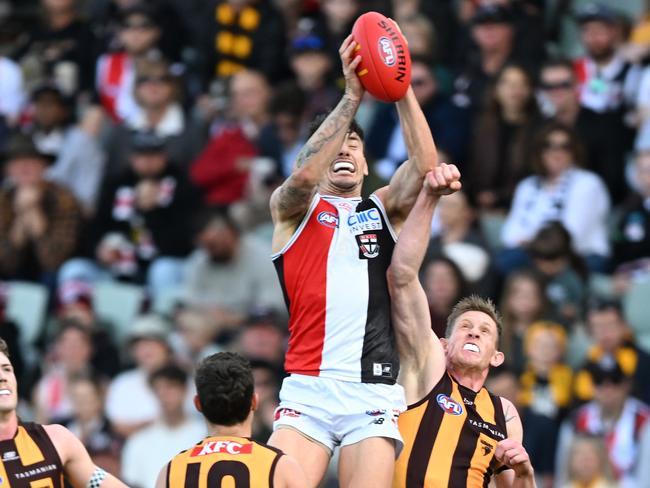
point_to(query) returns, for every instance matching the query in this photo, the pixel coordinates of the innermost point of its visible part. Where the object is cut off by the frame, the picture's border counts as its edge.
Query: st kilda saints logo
(368, 246)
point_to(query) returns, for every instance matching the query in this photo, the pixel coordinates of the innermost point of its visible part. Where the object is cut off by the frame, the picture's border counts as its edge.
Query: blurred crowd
(141, 141)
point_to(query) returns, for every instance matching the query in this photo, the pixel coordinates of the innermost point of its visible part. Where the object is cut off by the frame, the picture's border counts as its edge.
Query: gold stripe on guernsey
(485, 446)
(46, 483)
(409, 424)
(28, 450)
(439, 469)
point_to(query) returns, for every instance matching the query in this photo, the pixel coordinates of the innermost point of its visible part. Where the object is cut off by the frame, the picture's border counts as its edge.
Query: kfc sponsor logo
(222, 447)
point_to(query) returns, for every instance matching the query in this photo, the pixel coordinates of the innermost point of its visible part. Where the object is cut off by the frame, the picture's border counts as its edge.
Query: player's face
(473, 342)
(8, 386)
(349, 167)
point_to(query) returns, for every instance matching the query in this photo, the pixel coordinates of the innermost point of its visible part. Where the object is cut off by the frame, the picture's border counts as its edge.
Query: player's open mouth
(471, 347)
(343, 166)
(5, 392)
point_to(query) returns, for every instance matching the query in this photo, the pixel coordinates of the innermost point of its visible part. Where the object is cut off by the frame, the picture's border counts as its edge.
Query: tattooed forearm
(338, 121)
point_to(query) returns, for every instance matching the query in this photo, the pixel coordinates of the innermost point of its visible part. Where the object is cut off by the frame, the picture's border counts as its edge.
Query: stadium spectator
(312, 66)
(158, 110)
(385, 143)
(12, 95)
(78, 156)
(613, 414)
(193, 337)
(267, 387)
(588, 465)
(288, 113)
(559, 190)
(523, 302)
(229, 273)
(335, 22)
(10, 333)
(40, 221)
(222, 169)
(243, 34)
(89, 423)
(613, 344)
(631, 240)
(444, 285)
(141, 230)
(561, 270)
(147, 451)
(608, 86)
(502, 133)
(130, 402)
(116, 71)
(70, 356)
(263, 337)
(61, 48)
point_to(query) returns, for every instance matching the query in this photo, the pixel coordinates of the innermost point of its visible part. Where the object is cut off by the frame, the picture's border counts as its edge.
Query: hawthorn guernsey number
(236, 470)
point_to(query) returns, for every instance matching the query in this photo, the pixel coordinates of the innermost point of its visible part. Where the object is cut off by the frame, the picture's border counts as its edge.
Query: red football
(385, 68)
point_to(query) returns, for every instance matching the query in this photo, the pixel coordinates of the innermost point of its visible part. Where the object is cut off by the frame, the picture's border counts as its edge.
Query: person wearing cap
(130, 402)
(40, 221)
(138, 36)
(608, 85)
(613, 414)
(157, 91)
(140, 232)
(79, 158)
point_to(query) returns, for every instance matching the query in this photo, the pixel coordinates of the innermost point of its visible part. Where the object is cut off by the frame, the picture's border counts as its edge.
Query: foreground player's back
(246, 462)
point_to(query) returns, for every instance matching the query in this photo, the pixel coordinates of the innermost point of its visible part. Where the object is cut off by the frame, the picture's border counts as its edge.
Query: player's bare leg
(312, 456)
(367, 464)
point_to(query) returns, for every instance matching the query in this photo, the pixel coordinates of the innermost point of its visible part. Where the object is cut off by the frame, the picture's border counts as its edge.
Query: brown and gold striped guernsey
(450, 437)
(30, 460)
(224, 462)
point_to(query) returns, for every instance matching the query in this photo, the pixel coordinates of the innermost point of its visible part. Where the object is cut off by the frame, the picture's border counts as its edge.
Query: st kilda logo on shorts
(368, 246)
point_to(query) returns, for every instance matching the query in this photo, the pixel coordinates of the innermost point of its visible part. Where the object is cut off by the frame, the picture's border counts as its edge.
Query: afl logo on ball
(387, 51)
(449, 405)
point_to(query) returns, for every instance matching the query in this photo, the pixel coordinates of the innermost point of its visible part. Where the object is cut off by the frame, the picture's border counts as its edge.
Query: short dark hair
(354, 126)
(576, 146)
(224, 385)
(552, 241)
(169, 372)
(4, 349)
(474, 303)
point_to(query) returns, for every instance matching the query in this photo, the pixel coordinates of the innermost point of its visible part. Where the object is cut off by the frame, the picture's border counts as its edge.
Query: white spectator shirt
(579, 200)
(12, 94)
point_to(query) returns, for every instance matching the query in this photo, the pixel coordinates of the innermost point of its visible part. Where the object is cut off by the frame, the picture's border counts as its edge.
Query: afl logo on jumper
(386, 51)
(368, 245)
(328, 219)
(449, 405)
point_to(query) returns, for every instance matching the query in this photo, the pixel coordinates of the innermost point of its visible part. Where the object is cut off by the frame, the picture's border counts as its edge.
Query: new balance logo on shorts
(382, 369)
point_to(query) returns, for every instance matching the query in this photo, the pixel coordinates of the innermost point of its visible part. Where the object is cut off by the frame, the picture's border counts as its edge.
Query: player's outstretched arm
(78, 468)
(421, 354)
(289, 474)
(291, 200)
(404, 186)
(511, 453)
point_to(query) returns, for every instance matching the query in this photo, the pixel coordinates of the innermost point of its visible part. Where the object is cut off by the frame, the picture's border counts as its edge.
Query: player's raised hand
(444, 179)
(350, 61)
(511, 453)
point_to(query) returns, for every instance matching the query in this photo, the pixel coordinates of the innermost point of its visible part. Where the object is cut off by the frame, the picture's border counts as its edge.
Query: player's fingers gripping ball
(385, 68)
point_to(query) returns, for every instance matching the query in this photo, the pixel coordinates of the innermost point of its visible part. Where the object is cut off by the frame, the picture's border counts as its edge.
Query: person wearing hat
(613, 414)
(608, 86)
(141, 231)
(40, 221)
(78, 156)
(130, 402)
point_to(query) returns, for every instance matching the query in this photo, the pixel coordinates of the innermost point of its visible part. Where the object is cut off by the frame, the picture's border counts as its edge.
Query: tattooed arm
(291, 200)
(512, 454)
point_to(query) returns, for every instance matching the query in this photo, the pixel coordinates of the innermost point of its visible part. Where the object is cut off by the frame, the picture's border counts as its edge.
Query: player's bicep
(514, 427)
(402, 191)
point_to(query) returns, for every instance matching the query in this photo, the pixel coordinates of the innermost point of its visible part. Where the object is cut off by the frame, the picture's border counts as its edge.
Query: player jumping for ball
(332, 249)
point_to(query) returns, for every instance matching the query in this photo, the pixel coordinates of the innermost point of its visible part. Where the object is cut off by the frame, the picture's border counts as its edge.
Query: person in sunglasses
(560, 190)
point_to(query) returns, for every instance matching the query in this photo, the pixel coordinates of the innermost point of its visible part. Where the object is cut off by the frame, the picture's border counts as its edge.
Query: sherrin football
(385, 68)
